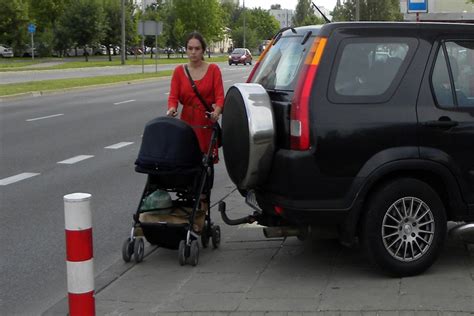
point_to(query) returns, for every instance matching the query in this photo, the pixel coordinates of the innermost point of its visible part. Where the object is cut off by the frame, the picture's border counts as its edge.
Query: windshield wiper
(278, 35)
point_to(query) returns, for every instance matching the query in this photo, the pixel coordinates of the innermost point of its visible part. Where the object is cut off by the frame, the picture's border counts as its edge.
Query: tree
(45, 14)
(370, 10)
(113, 24)
(13, 23)
(204, 16)
(83, 21)
(304, 14)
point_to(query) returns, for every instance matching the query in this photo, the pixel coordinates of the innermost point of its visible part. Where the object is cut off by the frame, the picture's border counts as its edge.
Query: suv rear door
(446, 110)
(364, 116)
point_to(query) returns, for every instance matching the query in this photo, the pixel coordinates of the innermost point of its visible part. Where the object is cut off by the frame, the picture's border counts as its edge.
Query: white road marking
(118, 145)
(245, 77)
(18, 177)
(73, 160)
(167, 93)
(122, 102)
(43, 117)
(227, 80)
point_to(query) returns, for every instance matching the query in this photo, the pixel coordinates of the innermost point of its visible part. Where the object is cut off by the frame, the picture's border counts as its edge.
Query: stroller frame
(188, 249)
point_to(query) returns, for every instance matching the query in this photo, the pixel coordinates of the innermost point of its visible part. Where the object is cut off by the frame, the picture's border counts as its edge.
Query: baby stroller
(171, 157)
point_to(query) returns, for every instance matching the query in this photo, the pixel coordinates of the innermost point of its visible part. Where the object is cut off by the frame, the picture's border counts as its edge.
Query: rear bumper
(296, 180)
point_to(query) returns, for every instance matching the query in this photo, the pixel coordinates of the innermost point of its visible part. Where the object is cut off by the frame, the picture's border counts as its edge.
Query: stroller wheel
(138, 249)
(181, 253)
(127, 249)
(194, 253)
(216, 236)
(205, 236)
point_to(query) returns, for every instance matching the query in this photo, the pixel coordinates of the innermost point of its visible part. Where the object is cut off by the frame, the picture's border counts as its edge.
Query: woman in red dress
(208, 80)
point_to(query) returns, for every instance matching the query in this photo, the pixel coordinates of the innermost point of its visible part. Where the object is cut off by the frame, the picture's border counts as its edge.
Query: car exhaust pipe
(464, 232)
(284, 231)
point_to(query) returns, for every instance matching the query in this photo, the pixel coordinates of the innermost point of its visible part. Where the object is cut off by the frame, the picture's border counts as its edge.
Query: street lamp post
(244, 23)
(122, 50)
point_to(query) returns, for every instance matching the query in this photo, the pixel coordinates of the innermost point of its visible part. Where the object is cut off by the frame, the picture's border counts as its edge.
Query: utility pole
(357, 10)
(244, 24)
(122, 49)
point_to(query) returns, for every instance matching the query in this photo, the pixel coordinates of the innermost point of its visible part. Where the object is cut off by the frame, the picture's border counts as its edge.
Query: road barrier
(79, 254)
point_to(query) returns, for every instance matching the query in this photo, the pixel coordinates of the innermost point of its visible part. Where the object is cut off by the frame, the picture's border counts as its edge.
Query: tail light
(252, 73)
(299, 124)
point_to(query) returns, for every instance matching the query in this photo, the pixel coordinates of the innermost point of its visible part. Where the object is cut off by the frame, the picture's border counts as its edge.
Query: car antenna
(322, 14)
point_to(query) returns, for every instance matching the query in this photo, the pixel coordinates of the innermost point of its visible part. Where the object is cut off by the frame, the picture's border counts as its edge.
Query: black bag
(209, 109)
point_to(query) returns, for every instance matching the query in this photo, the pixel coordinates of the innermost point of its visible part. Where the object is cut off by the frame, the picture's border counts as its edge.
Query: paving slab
(252, 275)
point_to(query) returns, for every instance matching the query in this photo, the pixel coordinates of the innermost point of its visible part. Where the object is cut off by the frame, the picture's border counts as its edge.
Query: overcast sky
(286, 4)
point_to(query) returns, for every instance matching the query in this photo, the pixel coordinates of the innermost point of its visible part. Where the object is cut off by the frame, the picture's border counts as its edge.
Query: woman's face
(194, 50)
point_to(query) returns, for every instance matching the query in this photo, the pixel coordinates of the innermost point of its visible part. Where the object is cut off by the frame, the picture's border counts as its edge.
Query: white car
(6, 51)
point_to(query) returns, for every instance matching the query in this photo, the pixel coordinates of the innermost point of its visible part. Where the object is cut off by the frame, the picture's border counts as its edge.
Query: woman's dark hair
(199, 37)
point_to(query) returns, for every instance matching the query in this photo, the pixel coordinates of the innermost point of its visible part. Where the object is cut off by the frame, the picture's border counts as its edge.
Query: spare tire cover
(248, 134)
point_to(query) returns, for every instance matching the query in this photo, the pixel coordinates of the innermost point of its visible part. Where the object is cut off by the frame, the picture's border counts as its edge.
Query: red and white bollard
(79, 254)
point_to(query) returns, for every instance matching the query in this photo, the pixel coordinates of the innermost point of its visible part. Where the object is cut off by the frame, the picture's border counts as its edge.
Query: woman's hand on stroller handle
(172, 112)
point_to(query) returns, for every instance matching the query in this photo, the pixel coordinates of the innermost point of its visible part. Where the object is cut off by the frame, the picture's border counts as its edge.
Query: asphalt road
(57, 145)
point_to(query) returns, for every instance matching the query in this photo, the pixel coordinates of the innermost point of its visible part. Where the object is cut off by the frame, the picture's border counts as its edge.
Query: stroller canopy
(168, 144)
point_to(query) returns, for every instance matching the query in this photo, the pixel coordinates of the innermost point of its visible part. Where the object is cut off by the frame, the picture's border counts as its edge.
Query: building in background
(283, 16)
(442, 11)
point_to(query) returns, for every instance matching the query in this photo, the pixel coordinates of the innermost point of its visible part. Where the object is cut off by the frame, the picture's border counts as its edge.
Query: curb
(102, 281)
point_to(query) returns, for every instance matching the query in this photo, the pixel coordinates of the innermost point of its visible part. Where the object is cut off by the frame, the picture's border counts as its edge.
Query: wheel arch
(434, 174)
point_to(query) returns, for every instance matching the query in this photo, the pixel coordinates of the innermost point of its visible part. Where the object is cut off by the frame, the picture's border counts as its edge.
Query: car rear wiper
(280, 33)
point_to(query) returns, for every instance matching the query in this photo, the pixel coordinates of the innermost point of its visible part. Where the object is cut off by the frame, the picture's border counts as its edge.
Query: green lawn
(19, 64)
(47, 85)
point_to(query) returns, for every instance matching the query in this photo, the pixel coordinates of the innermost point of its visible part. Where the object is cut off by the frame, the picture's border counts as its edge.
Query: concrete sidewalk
(251, 275)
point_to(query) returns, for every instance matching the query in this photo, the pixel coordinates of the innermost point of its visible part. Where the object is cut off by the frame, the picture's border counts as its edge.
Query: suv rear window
(280, 66)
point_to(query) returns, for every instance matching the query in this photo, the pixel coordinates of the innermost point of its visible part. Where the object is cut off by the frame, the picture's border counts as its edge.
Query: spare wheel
(248, 134)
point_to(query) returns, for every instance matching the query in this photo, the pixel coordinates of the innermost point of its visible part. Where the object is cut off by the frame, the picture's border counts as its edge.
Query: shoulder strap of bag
(193, 84)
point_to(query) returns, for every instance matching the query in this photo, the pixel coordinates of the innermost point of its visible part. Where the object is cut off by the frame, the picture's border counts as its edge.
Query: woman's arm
(173, 98)
(218, 93)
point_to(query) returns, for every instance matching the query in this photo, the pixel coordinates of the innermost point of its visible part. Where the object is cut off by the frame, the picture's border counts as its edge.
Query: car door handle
(441, 123)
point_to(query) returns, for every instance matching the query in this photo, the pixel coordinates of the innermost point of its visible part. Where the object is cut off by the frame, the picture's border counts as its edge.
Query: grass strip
(58, 84)
(23, 66)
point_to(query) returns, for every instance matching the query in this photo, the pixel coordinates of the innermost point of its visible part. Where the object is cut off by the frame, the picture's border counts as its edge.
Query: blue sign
(31, 28)
(417, 6)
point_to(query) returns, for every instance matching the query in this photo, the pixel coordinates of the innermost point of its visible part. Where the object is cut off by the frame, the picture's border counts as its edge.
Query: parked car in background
(6, 51)
(240, 56)
(366, 129)
(79, 51)
(28, 52)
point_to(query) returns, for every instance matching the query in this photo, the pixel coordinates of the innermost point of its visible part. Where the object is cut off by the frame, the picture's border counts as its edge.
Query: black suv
(364, 127)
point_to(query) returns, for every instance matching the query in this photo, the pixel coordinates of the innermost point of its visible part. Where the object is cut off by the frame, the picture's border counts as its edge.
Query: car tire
(392, 235)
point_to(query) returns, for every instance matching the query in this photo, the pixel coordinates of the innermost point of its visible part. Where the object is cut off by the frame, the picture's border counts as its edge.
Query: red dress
(194, 113)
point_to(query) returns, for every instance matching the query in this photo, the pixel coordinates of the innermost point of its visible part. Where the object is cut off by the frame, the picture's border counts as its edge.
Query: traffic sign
(31, 28)
(416, 6)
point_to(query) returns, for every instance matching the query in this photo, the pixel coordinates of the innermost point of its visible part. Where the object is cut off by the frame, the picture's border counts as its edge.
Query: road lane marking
(167, 93)
(118, 145)
(75, 159)
(18, 177)
(122, 102)
(43, 117)
(227, 80)
(245, 77)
